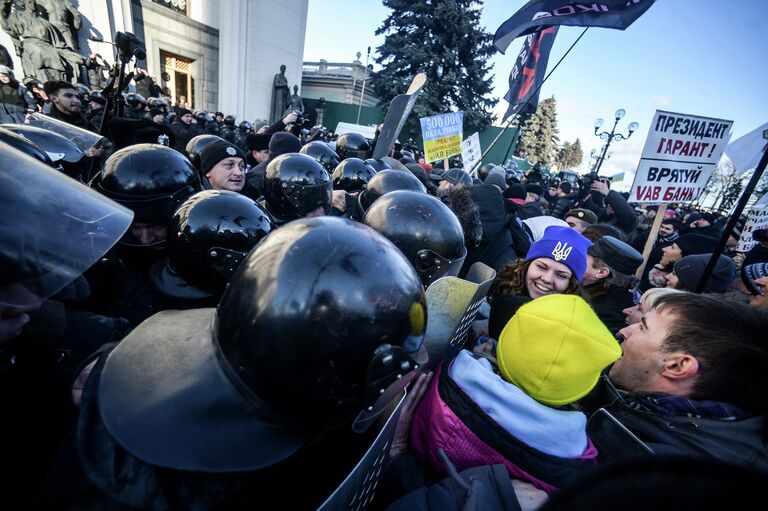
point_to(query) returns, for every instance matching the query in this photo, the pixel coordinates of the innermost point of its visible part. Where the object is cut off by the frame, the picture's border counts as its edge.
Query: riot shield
(52, 228)
(452, 304)
(55, 145)
(358, 489)
(83, 139)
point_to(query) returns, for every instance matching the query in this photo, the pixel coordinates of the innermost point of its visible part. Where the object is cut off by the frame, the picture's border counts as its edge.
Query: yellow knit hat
(554, 349)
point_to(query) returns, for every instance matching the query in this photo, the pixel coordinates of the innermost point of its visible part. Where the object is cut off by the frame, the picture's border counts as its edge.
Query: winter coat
(609, 304)
(740, 442)
(479, 419)
(184, 133)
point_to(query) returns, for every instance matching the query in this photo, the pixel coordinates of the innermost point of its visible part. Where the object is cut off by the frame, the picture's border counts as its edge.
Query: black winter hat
(283, 143)
(535, 188)
(214, 152)
(182, 112)
(696, 244)
(516, 191)
(257, 141)
(690, 268)
(616, 254)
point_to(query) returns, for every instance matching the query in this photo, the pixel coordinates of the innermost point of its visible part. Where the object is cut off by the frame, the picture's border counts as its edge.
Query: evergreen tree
(444, 40)
(569, 155)
(538, 136)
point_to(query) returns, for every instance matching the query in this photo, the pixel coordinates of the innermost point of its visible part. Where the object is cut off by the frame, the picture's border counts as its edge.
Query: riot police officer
(296, 186)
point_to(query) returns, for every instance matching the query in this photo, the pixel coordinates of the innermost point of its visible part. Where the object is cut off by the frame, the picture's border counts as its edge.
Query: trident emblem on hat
(561, 251)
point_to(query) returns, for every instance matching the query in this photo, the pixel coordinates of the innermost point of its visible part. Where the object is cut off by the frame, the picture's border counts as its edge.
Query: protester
(693, 370)
(688, 271)
(507, 408)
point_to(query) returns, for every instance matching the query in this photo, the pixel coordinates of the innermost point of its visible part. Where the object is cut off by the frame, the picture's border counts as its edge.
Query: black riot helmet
(407, 156)
(323, 153)
(98, 97)
(56, 146)
(196, 145)
(378, 165)
(296, 184)
(424, 229)
(161, 103)
(229, 121)
(150, 179)
(484, 170)
(202, 117)
(209, 235)
(352, 175)
(312, 352)
(352, 145)
(25, 146)
(245, 127)
(388, 181)
(134, 100)
(324, 318)
(85, 92)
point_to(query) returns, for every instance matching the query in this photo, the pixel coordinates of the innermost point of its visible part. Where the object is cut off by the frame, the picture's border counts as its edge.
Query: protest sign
(442, 135)
(680, 153)
(470, 151)
(757, 219)
(368, 132)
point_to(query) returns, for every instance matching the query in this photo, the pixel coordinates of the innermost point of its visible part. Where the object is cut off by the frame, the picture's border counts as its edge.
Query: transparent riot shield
(452, 304)
(55, 145)
(83, 139)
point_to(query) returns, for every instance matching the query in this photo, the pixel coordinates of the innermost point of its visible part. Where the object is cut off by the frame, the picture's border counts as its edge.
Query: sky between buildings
(702, 57)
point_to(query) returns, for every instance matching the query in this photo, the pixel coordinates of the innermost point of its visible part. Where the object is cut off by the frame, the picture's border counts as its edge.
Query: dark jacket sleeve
(274, 128)
(626, 218)
(487, 487)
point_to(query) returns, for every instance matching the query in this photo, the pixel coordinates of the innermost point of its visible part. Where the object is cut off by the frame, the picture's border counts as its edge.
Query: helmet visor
(308, 198)
(431, 266)
(83, 139)
(52, 228)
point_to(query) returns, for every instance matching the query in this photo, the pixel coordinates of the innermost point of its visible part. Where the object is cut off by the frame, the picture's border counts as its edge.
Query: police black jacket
(184, 133)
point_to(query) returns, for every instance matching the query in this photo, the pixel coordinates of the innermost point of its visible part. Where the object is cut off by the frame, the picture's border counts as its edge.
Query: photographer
(609, 206)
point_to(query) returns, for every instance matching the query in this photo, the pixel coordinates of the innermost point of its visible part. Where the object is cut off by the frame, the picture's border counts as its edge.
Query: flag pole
(533, 94)
(753, 181)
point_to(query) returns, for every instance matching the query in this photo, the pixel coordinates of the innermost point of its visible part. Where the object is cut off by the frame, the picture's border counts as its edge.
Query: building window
(179, 6)
(178, 83)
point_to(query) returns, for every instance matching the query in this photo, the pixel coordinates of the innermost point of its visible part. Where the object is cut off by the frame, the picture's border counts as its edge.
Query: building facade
(221, 55)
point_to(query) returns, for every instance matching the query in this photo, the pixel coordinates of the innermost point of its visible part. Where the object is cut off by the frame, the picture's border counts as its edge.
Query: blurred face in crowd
(228, 174)
(158, 119)
(643, 359)
(260, 156)
(5, 78)
(187, 118)
(576, 223)
(546, 277)
(219, 118)
(594, 273)
(95, 105)
(67, 101)
(666, 230)
(670, 254)
(673, 281)
(701, 223)
(148, 234)
(531, 197)
(651, 214)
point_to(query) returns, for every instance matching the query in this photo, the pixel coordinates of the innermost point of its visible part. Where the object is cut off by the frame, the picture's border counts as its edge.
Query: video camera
(128, 45)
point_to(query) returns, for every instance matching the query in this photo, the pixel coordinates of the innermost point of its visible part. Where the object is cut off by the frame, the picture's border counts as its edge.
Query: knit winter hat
(182, 112)
(516, 191)
(696, 244)
(751, 273)
(257, 141)
(564, 245)
(555, 348)
(283, 143)
(214, 152)
(690, 268)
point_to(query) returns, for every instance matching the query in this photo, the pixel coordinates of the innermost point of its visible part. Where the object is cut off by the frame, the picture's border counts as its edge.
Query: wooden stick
(651, 238)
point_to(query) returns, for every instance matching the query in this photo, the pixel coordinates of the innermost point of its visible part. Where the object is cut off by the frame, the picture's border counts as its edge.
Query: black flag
(618, 14)
(528, 72)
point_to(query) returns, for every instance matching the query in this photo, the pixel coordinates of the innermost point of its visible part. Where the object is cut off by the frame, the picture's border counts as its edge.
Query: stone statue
(43, 50)
(280, 96)
(319, 110)
(296, 103)
(63, 15)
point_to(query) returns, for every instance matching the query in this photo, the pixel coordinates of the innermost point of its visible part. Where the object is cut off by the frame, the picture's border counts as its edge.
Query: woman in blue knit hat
(554, 264)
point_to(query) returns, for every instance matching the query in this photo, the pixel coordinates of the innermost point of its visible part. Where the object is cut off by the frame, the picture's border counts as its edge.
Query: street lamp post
(362, 92)
(594, 157)
(612, 136)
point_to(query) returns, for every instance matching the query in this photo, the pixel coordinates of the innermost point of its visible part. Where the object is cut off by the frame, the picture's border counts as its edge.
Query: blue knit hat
(564, 245)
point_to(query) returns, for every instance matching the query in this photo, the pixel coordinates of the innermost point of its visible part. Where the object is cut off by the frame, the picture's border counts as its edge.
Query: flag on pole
(528, 71)
(618, 14)
(616, 178)
(745, 152)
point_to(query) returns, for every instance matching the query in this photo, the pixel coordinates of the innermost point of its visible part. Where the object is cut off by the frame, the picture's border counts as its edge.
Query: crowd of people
(220, 313)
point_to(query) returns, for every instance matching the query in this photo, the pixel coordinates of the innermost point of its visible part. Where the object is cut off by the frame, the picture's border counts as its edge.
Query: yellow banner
(439, 148)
